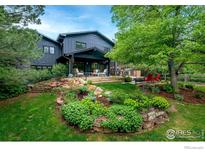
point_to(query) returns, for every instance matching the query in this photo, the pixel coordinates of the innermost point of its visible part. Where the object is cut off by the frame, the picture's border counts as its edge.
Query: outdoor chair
(78, 73)
(95, 72)
(104, 73)
(148, 78)
(157, 78)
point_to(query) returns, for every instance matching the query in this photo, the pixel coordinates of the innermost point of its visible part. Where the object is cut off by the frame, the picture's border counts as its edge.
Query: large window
(52, 50)
(80, 45)
(45, 49)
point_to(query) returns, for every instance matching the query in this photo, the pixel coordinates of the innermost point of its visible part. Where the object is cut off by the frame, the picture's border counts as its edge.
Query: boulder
(91, 87)
(59, 101)
(108, 93)
(98, 91)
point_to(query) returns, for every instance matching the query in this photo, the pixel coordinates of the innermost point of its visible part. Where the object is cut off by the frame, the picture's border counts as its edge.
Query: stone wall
(153, 117)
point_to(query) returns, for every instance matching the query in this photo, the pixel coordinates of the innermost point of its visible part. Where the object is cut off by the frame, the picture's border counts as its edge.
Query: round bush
(122, 119)
(160, 102)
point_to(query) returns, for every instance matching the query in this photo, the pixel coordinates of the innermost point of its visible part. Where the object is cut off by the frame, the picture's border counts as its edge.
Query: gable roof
(63, 35)
(48, 38)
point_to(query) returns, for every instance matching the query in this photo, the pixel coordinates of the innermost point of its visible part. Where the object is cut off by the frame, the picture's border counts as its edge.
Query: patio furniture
(149, 77)
(104, 73)
(78, 73)
(157, 78)
(95, 72)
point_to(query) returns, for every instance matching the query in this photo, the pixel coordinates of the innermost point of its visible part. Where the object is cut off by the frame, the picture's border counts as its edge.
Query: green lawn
(34, 118)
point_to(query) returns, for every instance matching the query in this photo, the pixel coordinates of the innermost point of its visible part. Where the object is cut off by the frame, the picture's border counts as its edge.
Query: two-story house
(82, 50)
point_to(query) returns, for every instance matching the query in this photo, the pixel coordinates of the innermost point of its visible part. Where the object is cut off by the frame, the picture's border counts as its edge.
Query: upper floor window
(106, 49)
(52, 50)
(80, 45)
(45, 49)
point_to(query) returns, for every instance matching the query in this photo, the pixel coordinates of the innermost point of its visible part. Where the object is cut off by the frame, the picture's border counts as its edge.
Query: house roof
(62, 35)
(50, 39)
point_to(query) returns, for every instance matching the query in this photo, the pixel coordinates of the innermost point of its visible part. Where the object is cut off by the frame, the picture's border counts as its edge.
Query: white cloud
(57, 21)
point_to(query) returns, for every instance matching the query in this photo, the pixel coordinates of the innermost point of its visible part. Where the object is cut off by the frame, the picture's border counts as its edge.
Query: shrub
(200, 88)
(89, 82)
(181, 85)
(189, 86)
(178, 97)
(155, 89)
(86, 122)
(96, 109)
(160, 102)
(12, 82)
(135, 104)
(168, 88)
(127, 79)
(122, 119)
(59, 70)
(83, 89)
(118, 97)
(199, 95)
(78, 114)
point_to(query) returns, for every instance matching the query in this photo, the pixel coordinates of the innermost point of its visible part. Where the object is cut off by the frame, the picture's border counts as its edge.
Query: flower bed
(93, 109)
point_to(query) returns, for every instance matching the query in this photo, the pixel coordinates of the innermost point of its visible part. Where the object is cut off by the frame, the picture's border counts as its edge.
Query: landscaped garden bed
(187, 92)
(92, 109)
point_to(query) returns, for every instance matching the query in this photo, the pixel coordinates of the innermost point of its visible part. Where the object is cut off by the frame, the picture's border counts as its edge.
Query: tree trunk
(173, 74)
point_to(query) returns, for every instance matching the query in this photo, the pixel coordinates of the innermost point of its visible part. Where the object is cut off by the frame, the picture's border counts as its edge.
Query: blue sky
(62, 19)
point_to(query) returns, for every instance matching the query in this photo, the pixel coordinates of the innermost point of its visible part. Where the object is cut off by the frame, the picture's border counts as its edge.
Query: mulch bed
(187, 94)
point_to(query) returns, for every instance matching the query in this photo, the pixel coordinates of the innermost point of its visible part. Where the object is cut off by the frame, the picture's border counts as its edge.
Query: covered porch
(86, 62)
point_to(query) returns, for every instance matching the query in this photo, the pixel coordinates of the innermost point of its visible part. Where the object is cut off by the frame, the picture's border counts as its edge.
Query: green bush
(155, 89)
(78, 114)
(178, 97)
(127, 79)
(160, 102)
(200, 88)
(199, 95)
(89, 82)
(96, 109)
(118, 97)
(86, 122)
(83, 89)
(168, 88)
(59, 70)
(189, 86)
(12, 82)
(122, 119)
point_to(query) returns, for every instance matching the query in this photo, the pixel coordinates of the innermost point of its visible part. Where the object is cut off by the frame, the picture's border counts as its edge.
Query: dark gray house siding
(91, 40)
(48, 59)
(87, 54)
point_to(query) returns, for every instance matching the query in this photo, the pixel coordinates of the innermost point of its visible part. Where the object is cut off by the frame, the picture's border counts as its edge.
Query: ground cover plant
(121, 114)
(33, 118)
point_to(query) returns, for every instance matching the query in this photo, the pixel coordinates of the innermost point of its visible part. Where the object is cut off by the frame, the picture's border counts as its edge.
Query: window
(45, 49)
(106, 49)
(80, 45)
(52, 50)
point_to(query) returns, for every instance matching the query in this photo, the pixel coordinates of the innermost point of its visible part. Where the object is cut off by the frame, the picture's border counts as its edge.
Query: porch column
(71, 62)
(108, 68)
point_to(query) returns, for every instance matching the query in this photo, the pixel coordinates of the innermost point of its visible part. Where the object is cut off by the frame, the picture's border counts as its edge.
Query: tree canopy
(159, 36)
(18, 44)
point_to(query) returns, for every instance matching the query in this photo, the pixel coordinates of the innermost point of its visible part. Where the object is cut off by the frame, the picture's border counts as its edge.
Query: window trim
(45, 46)
(53, 50)
(80, 43)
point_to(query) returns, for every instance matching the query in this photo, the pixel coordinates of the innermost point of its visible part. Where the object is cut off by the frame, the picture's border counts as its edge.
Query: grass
(34, 118)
